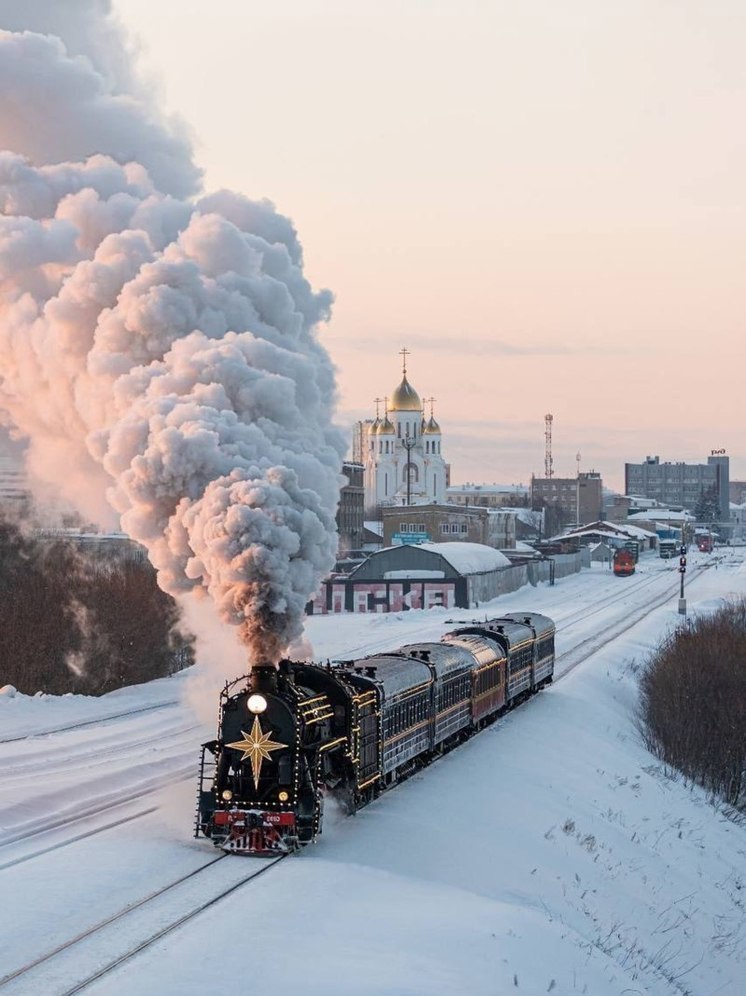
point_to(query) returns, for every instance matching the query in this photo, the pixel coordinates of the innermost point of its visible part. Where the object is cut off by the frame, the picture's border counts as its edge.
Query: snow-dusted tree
(707, 508)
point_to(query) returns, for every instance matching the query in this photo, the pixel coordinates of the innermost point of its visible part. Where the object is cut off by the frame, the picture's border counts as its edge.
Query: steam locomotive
(289, 735)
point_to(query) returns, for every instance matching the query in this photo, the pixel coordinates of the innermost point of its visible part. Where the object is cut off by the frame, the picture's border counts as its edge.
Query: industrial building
(682, 484)
(576, 499)
(449, 523)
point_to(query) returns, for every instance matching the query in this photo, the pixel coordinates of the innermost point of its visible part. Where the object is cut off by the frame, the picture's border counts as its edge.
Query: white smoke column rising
(159, 354)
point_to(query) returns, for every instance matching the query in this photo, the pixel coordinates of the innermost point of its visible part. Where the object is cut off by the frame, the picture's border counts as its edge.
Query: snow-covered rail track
(99, 721)
(570, 659)
(90, 755)
(651, 581)
(64, 962)
(65, 842)
(629, 591)
(88, 809)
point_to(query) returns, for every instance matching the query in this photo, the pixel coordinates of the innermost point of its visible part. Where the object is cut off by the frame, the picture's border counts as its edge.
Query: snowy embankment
(551, 853)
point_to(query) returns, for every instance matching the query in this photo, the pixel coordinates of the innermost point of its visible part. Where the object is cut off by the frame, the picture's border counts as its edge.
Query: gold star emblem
(257, 746)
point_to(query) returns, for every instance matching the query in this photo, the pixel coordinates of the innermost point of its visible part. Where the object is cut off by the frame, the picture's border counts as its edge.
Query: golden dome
(385, 427)
(432, 428)
(405, 398)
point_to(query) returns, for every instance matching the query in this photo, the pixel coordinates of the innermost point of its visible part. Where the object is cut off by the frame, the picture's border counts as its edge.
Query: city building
(449, 523)
(611, 534)
(568, 500)
(680, 483)
(616, 508)
(401, 452)
(488, 495)
(350, 517)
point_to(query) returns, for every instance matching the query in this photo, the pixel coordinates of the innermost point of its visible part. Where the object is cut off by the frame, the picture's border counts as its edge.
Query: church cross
(377, 402)
(404, 353)
(431, 402)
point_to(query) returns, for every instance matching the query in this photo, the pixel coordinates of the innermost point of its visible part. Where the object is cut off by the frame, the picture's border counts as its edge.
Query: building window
(444, 528)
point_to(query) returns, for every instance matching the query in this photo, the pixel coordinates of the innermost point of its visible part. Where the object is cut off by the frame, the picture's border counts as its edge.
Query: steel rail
(83, 935)
(164, 931)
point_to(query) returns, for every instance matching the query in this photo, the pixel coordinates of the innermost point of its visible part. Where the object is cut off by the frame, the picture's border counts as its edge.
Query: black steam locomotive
(289, 735)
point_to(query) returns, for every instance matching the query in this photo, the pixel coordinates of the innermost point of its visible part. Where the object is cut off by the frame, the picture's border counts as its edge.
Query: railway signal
(682, 572)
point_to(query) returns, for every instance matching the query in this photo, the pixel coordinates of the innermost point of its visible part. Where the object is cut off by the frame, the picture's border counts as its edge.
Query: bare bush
(75, 621)
(693, 702)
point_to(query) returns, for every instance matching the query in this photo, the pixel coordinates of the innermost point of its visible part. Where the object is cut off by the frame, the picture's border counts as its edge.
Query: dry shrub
(693, 702)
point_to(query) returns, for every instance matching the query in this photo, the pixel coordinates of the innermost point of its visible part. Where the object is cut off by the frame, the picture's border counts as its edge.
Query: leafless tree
(76, 621)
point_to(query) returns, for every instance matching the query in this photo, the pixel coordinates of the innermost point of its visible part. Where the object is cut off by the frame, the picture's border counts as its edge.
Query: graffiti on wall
(382, 596)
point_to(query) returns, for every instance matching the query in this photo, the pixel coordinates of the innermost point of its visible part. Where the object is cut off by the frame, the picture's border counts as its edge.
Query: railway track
(66, 958)
(90, 722)
(91, 755)
(425, 631)
(649, 581)
(73, 840)
(85, 811)
(571, 658)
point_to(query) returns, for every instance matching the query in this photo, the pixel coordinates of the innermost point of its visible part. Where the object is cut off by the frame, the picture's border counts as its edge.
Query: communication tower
(548, 419)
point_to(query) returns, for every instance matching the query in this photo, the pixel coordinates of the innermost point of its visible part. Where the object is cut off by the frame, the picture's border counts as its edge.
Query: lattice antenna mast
(548, 471)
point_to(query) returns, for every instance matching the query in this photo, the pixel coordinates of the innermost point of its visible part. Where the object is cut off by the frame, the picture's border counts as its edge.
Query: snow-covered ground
(549, 854)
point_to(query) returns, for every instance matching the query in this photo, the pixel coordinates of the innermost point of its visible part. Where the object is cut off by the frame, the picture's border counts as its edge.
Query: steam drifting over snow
(159, 354)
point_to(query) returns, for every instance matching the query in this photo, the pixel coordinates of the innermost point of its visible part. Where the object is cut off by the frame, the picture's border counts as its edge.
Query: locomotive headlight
(227, 795)
(257, 703)
(283, 796)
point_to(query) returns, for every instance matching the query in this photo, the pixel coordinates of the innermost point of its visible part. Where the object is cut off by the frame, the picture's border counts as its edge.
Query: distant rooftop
(488, 488)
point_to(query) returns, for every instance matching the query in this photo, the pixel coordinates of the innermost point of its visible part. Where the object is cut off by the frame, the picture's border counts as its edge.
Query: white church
(401, 452)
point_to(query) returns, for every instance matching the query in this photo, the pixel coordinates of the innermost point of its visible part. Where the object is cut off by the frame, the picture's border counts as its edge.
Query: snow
(468, 558)
(549, 854)
(487, 489)
(522, 547)
(660, 515)
(404, 575)
(612, 529)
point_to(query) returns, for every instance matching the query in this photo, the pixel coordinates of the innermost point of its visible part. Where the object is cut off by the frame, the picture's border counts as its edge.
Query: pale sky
(544, 201)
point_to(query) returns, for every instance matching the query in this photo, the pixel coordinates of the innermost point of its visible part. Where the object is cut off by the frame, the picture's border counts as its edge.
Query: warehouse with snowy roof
(425, 575)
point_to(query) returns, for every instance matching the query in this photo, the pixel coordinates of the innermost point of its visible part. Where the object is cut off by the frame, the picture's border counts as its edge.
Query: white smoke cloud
(160, 355)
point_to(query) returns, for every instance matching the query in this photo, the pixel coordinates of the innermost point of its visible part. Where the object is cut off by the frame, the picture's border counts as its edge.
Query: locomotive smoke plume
(158, 349)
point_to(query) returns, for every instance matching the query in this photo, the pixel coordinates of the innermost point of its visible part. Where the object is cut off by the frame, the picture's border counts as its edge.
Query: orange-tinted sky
(543, 201)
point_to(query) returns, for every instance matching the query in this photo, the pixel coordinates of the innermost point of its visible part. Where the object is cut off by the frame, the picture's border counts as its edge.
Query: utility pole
(577, 492)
